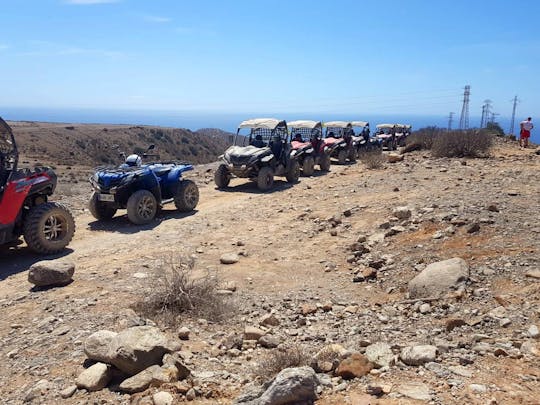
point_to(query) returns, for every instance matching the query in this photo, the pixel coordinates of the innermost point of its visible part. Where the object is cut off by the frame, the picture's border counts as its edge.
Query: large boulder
(437, 278)
(51, 273)
(132, 350)
(95, 377)
(290, 386)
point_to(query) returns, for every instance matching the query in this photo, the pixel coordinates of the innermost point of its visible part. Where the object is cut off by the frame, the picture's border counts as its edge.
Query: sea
(194, 120)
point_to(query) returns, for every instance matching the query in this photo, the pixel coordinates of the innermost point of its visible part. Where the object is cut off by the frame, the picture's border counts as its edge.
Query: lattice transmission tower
(513, 120)
(464, 119)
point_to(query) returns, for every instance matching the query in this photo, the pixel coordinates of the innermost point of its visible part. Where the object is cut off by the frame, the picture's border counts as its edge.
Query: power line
(464, 119)
(512, 121)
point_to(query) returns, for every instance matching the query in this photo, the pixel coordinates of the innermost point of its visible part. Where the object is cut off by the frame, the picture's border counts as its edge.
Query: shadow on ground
(17, 259)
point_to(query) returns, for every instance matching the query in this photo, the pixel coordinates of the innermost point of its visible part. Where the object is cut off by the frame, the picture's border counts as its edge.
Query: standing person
(525, 132)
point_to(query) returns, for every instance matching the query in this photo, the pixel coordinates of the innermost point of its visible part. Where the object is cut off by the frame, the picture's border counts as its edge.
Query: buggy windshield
(8, 152)
(260, 136)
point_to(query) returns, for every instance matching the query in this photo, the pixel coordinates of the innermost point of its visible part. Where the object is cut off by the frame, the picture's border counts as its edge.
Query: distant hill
(94, 144)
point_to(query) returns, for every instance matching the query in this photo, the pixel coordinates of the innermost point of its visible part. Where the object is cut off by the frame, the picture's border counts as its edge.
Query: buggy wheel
(325, 163)
(222, 177)
(100, 210)
(265, 178)
(352, 154)
(187, 196)
(308, 166)
(141, 207)
(342, 157)
(48, 228)
(294, 172)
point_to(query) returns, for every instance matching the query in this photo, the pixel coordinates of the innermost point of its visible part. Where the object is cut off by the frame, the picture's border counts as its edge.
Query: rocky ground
(323, 265)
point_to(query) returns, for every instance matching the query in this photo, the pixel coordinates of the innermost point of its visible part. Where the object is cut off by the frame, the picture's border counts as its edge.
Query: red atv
(47, 227)
(308, 145)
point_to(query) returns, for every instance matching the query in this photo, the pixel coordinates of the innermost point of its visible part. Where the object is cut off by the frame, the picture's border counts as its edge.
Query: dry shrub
(423, 138)
(279, 359)
(462, 144)
(174, 290)
(372, 159)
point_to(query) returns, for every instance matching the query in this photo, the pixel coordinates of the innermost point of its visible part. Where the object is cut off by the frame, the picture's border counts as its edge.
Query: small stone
(191, 394)
(453, 323)
(183, 333)
(418, 355)
(269, 341)
(163, 398)
(308, 309)
(424, 308)
(492, 208)
(533, 332)
(415, 390)
(533, 274)
(473, 228)
(269, 320)
(479, 388)
(253, 333)
(401, 212)
(95, 377)
(380, 354)
(229, 258)
(356, 365)
(68, 391)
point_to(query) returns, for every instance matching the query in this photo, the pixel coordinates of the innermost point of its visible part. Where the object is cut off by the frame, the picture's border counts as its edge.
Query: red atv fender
(15, 193)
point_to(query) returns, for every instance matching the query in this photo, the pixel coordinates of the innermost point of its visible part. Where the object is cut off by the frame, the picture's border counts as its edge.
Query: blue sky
(369, 57)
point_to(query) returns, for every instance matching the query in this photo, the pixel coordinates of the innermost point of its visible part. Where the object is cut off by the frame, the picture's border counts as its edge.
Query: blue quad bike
(142, 189)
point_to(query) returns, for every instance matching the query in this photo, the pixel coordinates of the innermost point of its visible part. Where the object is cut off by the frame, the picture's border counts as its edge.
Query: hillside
(92, 144)
(325, 272)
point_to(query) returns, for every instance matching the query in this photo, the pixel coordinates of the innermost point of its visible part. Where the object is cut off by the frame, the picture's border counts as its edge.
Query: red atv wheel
(48, 228)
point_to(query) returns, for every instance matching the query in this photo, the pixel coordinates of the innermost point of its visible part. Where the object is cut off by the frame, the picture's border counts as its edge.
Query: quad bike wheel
(222, 177)
(325, 163)
(48, 228)
(352, 154)
(141, 207)
(342, 157)
(308, 166)
(294, 172)
(187, 196)
(265, 178)
(99, 209)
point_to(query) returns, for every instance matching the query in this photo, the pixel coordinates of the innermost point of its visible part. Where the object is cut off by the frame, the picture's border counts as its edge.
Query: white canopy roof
(386, 125)
(359, 123)
(337, 124)
(268, 123)
(304, 124)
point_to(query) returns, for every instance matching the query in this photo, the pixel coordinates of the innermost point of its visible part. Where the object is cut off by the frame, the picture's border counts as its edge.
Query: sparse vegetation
(174, 290)
(442, 143)
(462, 144)
(279, 359)
(372, 159)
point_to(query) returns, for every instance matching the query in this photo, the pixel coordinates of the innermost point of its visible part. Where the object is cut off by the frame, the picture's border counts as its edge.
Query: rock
(356, 365)
(418, 355)
(473, 228)
(290, 386)
(425, 308)
(51, 273)
(380, 354)
(453, 323)
(394, 158)
(95, 377)
(140, 381)
(415, 390)
(492, 208)
(269, 320)
(135, 349)
(191, 394)
(437, 278)
(183, 333)
(162, 398)
(479, 388)
(308, 309)
(533, 332)
(253, 333)
(97, 345)
(533, 274)
(229, 258)
(401, 212)
(68, 391)
(176, 361)
(269, 341)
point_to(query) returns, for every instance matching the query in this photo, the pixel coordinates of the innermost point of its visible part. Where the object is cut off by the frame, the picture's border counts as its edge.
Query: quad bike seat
(162, 171)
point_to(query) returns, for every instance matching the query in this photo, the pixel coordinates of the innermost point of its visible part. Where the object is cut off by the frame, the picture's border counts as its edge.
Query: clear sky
(371, 57)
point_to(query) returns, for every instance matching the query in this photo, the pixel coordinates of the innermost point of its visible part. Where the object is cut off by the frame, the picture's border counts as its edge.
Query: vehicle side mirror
(152, 147)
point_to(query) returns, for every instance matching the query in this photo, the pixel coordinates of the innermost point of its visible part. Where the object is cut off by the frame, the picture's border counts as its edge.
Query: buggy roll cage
(308, 130)
(263, 131)
(9, 156)
(338, 129)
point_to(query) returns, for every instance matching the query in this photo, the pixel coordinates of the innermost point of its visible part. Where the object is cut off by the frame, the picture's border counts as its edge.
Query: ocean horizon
(226, 121)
